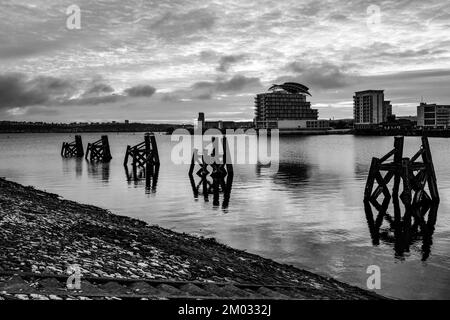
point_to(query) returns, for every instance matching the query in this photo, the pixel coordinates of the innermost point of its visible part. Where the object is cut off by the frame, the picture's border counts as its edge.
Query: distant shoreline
(10, 128)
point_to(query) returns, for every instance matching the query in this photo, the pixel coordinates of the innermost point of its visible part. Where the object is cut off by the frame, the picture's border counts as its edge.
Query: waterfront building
(387, 111)
(201, 119)
(370, 108)
(433, 116)
(220, 124)
(285, 107)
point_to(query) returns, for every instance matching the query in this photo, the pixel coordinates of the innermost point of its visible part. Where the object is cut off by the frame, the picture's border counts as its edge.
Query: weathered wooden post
(151, 178)
(144, 156)
(220, 169)
(63, 149)
(227, 156)
(418, 205)
(428, 161)
(99, 150)
(143, 153)
(79, 146)
(127, 154)
(106, 150)
(227, 191)
(154, 149)
(73, 149)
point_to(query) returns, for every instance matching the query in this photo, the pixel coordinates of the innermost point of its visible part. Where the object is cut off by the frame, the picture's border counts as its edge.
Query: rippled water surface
(308, 213)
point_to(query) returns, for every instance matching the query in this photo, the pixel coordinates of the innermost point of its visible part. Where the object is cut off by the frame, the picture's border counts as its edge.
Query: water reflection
(215, 173)
(99, 170)
(403, 232)
(320, 224)
(79, 167)
(292, 174)
(262, 170)
(419, 207)
(214, 186)
(140, 175)
(67, 166)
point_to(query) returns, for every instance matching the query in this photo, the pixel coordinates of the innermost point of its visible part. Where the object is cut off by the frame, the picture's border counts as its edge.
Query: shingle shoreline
(41, 233)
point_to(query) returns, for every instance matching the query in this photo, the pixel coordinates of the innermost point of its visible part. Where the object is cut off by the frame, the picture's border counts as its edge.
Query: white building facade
(370, 108)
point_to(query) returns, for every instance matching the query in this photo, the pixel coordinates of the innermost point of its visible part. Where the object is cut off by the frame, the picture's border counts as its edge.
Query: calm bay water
(309, 213)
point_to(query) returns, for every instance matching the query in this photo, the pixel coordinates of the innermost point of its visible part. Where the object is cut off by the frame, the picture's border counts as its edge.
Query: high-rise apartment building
(370, 108)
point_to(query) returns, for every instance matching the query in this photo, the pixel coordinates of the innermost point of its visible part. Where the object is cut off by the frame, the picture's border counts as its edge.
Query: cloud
(100, 88)
(104, 94)
(322, 76)
(337, 17)
(140, 91)
(33, 111)
(237, 83)
(208, 55)
(29, 48)
(112, 98)
(234, 84)
(227, 61)
(390, 51)
(183, 25)
(204, 96)
(19, 92)
(415, 76)
(205, 90)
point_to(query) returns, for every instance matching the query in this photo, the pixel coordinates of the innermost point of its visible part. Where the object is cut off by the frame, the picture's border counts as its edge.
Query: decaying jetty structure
(144, 163)
(215, 172)
(415, 208)
(147, 176)
(73, 149)
(122, 258)
(143, 153)
(99, 150)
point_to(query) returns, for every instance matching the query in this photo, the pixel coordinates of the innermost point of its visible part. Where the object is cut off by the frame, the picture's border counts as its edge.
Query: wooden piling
(99, 150)
(73, 149)
(144, 153)
(213, 166)
(154, 149)
(428, 161)
(106, 150)
(79, 146)
(416, 202)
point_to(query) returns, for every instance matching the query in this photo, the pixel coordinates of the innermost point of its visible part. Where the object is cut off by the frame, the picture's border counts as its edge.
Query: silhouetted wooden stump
(216, 174)
(144, 153)
(73, 149)
(99, 150)
(414, 207)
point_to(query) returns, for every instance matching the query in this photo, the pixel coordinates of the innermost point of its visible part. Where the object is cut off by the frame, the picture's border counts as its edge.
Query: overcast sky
(167, 60)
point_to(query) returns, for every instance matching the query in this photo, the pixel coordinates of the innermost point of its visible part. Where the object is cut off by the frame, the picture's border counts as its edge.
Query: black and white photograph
(223, 159)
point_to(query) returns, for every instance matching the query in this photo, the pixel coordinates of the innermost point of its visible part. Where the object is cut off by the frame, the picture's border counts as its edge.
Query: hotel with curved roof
(285, 107)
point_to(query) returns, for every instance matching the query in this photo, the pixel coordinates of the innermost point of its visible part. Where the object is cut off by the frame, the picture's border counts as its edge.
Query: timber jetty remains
(73, 149)
(99, 150)
(414, 208)
(215, 172)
